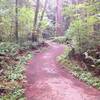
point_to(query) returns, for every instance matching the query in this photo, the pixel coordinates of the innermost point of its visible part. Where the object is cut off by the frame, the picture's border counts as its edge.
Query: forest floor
(48, 80)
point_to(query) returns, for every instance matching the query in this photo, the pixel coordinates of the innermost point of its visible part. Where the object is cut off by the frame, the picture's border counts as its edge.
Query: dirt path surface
(47, 80)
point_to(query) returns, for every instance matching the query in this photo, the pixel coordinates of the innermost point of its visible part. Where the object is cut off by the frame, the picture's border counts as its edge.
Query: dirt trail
(47, 80)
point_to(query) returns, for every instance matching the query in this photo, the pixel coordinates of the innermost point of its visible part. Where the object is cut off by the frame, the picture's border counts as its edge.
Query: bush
(11, 71)
(61, 39)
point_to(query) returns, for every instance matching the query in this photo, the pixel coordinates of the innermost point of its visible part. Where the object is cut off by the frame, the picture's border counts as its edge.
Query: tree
(81, 29)
(16, 21)
(42, 15)
(59, 17)
(34, 34)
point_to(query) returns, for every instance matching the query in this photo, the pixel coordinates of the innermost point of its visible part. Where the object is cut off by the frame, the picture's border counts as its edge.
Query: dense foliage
(11, 71)
(25, 23)
(84, 27)
(8, 18)
(82, 37)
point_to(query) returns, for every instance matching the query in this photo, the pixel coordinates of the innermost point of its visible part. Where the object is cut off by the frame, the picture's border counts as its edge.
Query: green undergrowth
(12, 77)
(60, 39)
(79, 72)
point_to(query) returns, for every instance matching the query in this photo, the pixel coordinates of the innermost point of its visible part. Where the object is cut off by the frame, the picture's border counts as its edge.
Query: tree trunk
(59, 17)
(42, 15)
(35, 34)
(16, 21)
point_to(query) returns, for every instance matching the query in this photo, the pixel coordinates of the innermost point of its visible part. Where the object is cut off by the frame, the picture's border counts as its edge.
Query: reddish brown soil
(47, 80)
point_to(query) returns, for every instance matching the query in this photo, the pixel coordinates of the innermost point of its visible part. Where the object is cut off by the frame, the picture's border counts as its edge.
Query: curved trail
(47, 80)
